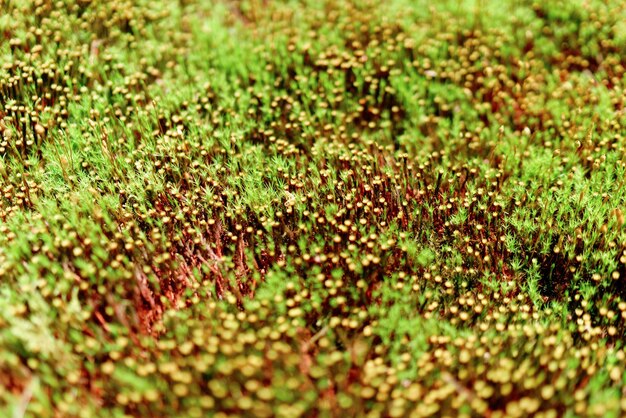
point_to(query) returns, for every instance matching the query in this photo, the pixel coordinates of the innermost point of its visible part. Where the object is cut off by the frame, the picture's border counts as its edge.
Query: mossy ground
(312, 208)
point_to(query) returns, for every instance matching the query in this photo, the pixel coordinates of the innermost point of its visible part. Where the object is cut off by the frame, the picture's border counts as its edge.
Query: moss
(314, 208)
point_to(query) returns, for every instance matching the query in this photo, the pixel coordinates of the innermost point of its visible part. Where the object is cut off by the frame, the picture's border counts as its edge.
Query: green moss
(310, 208)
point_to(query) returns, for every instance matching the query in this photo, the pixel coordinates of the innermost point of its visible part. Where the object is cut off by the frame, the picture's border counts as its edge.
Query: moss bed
(315, 208)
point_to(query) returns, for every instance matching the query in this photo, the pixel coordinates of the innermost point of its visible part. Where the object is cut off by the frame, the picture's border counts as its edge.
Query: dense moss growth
(312, 208)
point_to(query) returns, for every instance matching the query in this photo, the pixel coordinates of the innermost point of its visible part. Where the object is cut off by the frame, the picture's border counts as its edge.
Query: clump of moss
(331, 208)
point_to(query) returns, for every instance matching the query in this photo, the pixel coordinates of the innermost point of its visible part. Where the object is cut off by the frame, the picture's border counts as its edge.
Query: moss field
(317, 208)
